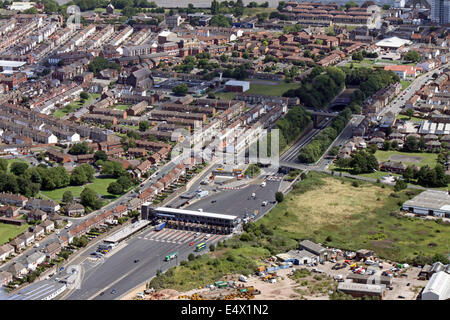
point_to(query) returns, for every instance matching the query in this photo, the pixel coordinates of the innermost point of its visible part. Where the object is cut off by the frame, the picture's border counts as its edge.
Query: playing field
(409, 158)
(100, 185)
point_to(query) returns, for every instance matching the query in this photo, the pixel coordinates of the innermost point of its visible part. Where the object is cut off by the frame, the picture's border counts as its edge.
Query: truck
(160, 226)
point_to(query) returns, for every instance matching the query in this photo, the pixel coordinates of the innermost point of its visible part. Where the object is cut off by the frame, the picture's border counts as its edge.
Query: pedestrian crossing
(178, 236)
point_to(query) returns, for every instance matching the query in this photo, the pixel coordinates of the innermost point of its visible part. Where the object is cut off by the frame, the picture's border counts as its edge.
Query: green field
(325, 209)
(122, 107)
(272, 90)
(403, 116)
(429, 159)
(71, 107)
(225, 95)
(9, 231)
(99, 185)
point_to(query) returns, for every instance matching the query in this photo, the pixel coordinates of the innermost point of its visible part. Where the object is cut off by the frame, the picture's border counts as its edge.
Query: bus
(200, 247)
(171, 256)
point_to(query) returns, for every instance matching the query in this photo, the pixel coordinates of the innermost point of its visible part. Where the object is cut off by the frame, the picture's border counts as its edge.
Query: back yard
(9, 231)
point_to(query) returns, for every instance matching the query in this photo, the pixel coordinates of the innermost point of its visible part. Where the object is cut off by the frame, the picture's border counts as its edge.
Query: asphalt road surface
(239, 202)
(115, 274)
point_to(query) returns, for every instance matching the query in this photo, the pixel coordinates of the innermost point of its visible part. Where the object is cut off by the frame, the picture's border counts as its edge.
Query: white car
(264, 203)
(196, 235)
(207, 236)
(263, 184)
(36, 245)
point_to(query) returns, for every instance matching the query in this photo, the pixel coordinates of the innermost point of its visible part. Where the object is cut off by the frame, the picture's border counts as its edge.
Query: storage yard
(345, 272)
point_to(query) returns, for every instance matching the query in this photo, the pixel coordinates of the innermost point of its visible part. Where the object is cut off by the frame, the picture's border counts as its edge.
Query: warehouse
(360, 290)
(438, 288)
(430, 202)
(237, 86)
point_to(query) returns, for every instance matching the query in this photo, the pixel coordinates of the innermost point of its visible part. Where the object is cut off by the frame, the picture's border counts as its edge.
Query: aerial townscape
(224, 150)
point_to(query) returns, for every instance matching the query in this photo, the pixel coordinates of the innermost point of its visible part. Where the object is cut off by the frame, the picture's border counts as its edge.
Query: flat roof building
(360, 290)
(190, 219)
(237, 86)
(429, 202)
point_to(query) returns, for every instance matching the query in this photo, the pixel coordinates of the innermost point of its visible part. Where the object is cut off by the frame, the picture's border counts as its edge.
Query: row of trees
(368, 80)
(313, 151)
(292, 125)
(320, 87)
(427, 177)
(361, 162)
(360, 55)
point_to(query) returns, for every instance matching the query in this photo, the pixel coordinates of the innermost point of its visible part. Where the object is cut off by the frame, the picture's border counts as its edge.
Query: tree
(90, 199)
(82, 175)
(125, 182)
(100, 155)
(191, 257)
(3, 165)
(79, 148)
(144, 125)
(84, 95)
(400, 185)
(409, 112)
(358, 56)
(18, 168)
(279, 196)
(112, 168)
(212, 248)
(181, 89)
(220, 21)
(351, 4)
(386, 7)
(67, 197)
(412, 56)
(411, 144)
(100, 63)
(115, 188)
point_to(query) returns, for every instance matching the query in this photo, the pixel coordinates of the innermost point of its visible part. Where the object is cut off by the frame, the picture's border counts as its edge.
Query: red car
(191, 243)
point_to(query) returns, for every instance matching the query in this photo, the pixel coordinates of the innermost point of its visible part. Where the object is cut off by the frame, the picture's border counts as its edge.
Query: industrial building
(316, 249)
(430, 202)
(438, 288)
(360, 290)
(237, 86)
(190, 219)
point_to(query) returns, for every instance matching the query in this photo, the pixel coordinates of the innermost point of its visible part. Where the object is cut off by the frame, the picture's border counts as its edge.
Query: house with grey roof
(6, 251)
(34, 260)
(17, 269)
(5, 278)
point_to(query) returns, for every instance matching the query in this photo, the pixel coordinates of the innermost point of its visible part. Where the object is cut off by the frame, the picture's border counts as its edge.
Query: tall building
(440, 11)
